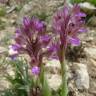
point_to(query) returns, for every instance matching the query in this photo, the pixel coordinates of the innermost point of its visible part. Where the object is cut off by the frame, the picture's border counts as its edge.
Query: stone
(53, 66)
(54, 81)
(88, 8)
(11, 9)
(90, 52)
(2, 50)
(53, 73)
(92, 21)
(82, 76)
(87, 5)
(3, 84)
(93, 62)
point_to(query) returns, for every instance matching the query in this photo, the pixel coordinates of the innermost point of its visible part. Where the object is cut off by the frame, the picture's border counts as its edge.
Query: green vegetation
(79, 1)
(20, 82)
(2, 11)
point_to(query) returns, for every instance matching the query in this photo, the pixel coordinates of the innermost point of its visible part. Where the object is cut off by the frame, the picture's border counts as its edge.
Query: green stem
(64, 90)
(45, 88)
(42, 74)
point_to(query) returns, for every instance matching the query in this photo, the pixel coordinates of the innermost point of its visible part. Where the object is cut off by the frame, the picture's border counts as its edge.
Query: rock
(92, 21)
(53, 73)
(11, 9)
(54, 81)
(89, 39)
(90, 52)
(88, 8)
(53, 66)
(82, 76)
(2, 50)
(93, 62)
(3, 84)
(73, 91)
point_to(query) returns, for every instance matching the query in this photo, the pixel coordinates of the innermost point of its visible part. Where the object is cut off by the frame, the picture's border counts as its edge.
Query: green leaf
(21, 82)
(9, 78)
(45, 89)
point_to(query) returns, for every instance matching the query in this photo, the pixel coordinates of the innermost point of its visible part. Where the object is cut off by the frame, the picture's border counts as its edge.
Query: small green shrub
(2, 11)
(79, 1)
(20, 82)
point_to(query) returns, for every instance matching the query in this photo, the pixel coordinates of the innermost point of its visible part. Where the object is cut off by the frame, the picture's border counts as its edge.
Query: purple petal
(26, 21)
(56, 27)
(17, 33)
(81, 14)
(40, 26)
(76, 8)
(37, 25)
(52, 48)
(12, 52)
(45, 38)
(35, 70)
(82, 30)
(74, 41)
(18, 30)
(15, 46)
(13, 57)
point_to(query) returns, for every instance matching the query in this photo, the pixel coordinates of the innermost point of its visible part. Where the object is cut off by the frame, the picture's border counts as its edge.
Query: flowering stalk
(67, 24)
(32, 40)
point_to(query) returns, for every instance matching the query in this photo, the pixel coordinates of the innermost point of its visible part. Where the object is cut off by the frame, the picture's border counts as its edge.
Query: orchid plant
(31, 38)
(67, 24)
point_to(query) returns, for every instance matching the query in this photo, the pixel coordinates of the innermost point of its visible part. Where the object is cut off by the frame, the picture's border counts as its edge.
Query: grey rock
(4, 84)
(2, 50)
(53, 69)
(11, 9)
(92, 21)
(53, 66)
(53, 73)
(93, 62)
(82, 76)
(90, 52)
(87, 7)
(54, 81)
